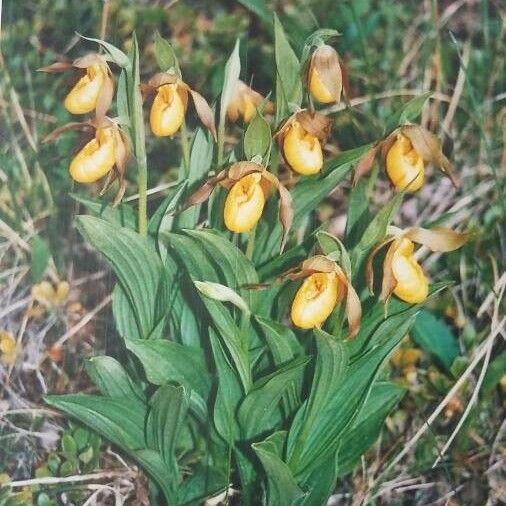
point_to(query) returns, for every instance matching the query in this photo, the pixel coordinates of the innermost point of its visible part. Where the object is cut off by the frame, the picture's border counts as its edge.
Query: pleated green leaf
(165, 361)
(256, 411)
(282, 489)
(112, 380)
(137, 266)
(365, 430)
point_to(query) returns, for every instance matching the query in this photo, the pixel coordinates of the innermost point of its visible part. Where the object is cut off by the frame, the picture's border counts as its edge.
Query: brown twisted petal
(428, 146)
(353, 306)
(438, 238)
(105, 97)
(369, 271)
(121, 156)
(72, 126)
(286, 212)
(314, 123)
(386, 144)
(365, 163)
(204, 112)
(389, 282)
(204, 192)
(56, 67)
(326, 62)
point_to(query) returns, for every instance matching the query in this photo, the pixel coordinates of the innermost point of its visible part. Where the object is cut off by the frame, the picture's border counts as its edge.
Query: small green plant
(216, 388)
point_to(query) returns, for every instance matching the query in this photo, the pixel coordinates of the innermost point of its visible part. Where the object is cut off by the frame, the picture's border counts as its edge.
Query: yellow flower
(7, 347)
(402, 274)
(411, 284)
(167, 111)
(51, 296)
(83, 97)
(316, 299)
(302, 151)
(97, 157)
(325, 79)
(245, 203)
(94, 90)
(405, 167)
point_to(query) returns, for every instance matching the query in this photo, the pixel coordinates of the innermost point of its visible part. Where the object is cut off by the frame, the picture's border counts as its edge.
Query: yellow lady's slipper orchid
(167, 111)
(325, 77)
(412, 285)
(405, 167)
(83, 97)
(97, 157)
(244, 204)
(302, 151)
(316, 299)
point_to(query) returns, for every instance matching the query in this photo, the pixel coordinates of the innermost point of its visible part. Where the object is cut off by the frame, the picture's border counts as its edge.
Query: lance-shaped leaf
(169, 406)
(256, 411)
(118, 56)
(288, 82)
(257, 138)
(112, 380)
(366, 429)
(232, 71)
(167, 361)
(408, 113)
(282, 488)
(137, 266)
(165, 56)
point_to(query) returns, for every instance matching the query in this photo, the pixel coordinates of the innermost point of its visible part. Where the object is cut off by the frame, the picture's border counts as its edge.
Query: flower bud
(97, 157)
(316, 299)
(325, 80)
(167, 111)
(411, 284)
(83, 97)
(244, 204)
(405, 167)
(302, 151)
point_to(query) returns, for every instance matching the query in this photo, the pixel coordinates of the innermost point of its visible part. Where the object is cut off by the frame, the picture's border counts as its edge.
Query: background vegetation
(394, 51)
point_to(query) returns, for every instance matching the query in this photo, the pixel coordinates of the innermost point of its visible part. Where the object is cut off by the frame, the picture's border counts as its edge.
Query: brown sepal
(204, 112)
(72, 126)
(314, 123)
(365, 163)
(428, 146)
(389, 282)
(56, 67)
(369, 269)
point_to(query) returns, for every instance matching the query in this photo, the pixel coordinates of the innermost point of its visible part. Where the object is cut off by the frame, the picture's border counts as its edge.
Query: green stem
(185, 145)
(221, 141)
(142, 181)
(251, 243)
